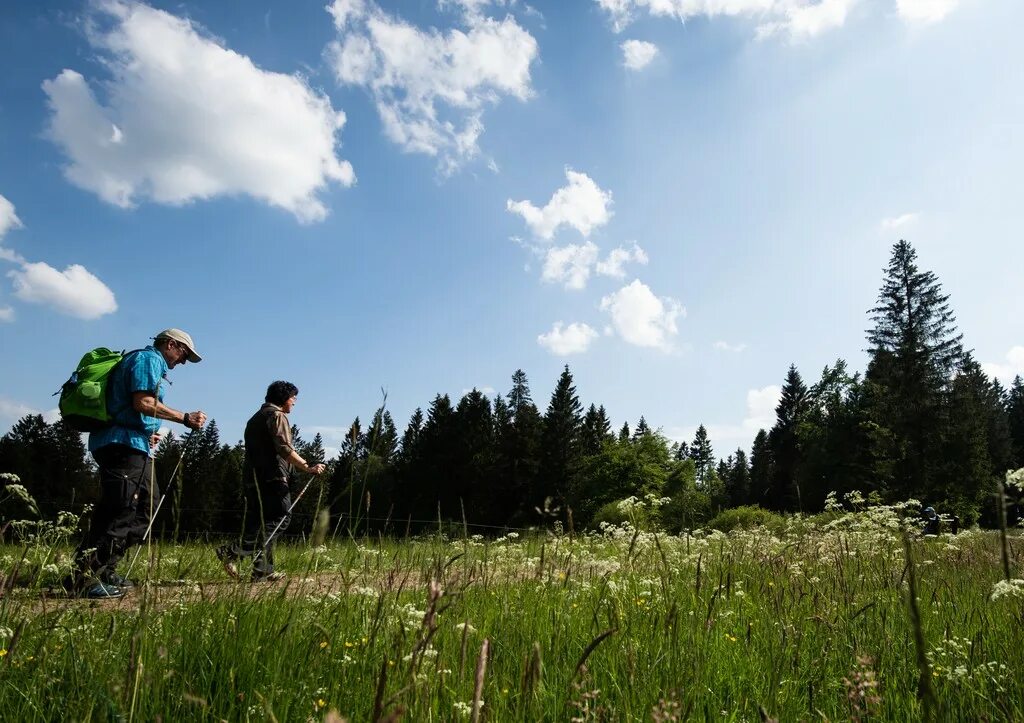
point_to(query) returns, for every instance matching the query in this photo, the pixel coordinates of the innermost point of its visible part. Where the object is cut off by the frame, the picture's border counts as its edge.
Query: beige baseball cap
(182, 338)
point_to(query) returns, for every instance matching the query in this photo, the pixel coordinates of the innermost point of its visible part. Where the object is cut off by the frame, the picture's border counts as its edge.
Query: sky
(383, 201)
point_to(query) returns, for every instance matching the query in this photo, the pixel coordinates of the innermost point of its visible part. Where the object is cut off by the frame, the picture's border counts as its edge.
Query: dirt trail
(163, 593)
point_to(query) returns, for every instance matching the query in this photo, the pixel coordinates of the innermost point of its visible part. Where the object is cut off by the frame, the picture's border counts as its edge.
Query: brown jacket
(268, 445)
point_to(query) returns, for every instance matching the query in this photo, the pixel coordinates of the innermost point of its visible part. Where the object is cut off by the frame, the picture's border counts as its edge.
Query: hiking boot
(227, 559)
(269, 577)
(112, 578)
(72, 585)
(103, 591)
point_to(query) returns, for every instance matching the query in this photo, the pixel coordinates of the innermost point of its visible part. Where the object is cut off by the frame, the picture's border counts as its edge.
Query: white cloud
(8, 222)
(798, 18)
(761, 404)
(8, 218)
(617, 258)
(1012, 366)
(564, 340)
(726, 438)
(185, 118)
(726, 346)
(925, 11)
(895, 222)
(74, 291)
(641, 318)
(637, 54)
(570, 265)
(581, 204)
(11, 411)
(486, 391)
(431, 88)
(806, 20)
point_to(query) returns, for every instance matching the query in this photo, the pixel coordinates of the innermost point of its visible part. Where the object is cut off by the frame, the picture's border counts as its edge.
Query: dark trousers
(128, 499)
(266, 506)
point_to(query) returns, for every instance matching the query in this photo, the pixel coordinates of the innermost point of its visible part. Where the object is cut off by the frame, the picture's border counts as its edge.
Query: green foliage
(746, 518)
(787, 452)
(923, 421)
(915, 349)
(831, 438)
(561, 449)
(50, 461)
(619, 471)
(1015, 413)
(702, 454)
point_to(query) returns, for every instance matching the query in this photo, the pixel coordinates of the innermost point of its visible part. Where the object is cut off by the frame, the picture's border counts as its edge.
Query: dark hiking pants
(266, 506)
(129, 496)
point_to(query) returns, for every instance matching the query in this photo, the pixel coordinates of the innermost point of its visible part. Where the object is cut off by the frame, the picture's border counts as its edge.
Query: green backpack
(83, 398)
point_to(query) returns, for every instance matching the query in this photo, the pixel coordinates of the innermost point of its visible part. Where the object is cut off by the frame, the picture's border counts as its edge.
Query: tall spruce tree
(969, 467)
(196, 504)
(382, 437)
(1015, 411)
(439, 458)
(831, 438)
(504, 498)
(344, 488)
(376, 470)
(596, 430)
(232, 505)
(408, 452)
(785, 444)
(474, 458)
(703, 456)
(761, 469)
(722, 470)
(560, 444)
(737, 479)
(914, 349)
(641, 431)
(522, 455)
(407, 468)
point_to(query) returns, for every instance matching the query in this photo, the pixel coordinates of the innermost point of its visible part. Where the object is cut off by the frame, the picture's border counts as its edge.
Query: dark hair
(280, 392)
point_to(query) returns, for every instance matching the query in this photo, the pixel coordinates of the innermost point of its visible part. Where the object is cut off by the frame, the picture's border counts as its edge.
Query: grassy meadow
(811, 620)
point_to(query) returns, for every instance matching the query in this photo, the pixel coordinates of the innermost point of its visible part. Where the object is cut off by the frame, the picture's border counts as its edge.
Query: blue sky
(676, 198)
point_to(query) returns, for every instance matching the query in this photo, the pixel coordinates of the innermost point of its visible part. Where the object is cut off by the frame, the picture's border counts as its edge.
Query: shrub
(747, 517)
(641, 514)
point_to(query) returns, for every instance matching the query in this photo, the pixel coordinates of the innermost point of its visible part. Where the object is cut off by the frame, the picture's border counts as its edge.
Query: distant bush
(747, 517)
(639, 513)
(610, 513)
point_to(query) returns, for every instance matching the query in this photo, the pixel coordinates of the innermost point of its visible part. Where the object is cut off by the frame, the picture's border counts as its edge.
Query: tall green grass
(810, 623)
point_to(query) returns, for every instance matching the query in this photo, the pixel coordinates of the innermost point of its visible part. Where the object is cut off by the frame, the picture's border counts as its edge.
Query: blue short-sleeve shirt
(144, 370)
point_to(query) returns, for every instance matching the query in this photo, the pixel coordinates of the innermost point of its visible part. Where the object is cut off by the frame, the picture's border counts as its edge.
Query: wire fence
(301, 522)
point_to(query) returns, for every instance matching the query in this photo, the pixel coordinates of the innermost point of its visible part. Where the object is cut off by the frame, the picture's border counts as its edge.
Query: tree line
(923, 420)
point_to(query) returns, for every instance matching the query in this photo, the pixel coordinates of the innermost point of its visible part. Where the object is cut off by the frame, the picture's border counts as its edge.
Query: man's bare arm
(147, 403)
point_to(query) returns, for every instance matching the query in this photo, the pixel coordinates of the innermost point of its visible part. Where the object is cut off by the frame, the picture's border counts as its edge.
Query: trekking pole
(287, 516)
(152, 518)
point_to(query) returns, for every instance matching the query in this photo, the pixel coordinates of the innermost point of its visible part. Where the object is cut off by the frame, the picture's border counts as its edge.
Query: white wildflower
(1008, 588)
(463, 710)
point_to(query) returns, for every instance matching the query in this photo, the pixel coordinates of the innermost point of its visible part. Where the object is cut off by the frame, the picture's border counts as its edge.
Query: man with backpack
(123, 452)
(269, 459)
